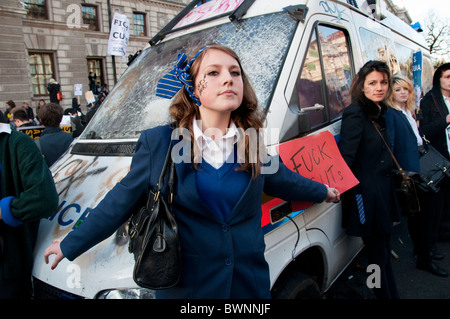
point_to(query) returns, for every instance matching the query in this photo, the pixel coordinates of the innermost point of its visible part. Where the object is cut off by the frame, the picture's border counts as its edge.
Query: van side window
(396, 55)
(377, 47)
(404, 58)
(325, 76)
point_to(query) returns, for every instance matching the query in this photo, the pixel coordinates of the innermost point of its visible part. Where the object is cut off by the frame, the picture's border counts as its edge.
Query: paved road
(411, 282)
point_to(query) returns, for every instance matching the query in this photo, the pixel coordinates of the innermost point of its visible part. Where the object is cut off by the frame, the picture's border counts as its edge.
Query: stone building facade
(65, 40)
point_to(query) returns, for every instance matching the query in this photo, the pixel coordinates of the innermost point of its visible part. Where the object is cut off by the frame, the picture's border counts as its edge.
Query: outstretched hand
(54, 249)
(333, 195)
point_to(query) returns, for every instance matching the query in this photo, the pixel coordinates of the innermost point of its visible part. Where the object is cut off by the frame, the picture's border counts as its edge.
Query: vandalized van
(300, 57)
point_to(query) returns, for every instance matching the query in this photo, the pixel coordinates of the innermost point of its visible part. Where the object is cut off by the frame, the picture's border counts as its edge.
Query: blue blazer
(220, 259)
(403, 140)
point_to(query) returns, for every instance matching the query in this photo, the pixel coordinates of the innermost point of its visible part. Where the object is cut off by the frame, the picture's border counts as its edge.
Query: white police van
(300, 56)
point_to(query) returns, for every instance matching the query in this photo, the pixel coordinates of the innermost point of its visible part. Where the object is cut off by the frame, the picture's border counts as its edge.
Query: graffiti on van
(333, 9)
(74, 180)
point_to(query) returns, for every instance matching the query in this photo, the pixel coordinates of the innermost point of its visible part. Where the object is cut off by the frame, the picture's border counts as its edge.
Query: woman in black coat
(371, 207)
(434, 118)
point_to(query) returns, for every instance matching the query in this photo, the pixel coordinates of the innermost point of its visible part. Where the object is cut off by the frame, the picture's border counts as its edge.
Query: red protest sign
(317, 157)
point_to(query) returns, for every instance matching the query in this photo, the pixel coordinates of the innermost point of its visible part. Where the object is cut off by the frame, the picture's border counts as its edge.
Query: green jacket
(28, 194)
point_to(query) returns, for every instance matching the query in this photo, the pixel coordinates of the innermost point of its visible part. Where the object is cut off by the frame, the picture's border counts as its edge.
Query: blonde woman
(401, 123)
(406, 141)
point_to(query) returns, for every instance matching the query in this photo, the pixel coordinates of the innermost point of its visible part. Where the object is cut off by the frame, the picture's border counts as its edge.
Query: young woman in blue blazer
(217, 202)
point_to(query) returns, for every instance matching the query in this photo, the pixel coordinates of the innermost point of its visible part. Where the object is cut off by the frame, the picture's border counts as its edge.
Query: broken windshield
(132, 106)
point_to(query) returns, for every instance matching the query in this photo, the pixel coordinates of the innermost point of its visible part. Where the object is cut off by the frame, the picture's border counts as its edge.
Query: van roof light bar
(235, 15)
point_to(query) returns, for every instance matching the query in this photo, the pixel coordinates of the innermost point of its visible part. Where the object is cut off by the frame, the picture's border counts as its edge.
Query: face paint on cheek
(202, 84)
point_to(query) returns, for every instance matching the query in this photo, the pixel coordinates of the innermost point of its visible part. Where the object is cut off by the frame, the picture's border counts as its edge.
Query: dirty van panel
(132, 106)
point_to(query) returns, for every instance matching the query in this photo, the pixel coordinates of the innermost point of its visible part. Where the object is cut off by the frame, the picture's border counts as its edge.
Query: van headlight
(126, 293)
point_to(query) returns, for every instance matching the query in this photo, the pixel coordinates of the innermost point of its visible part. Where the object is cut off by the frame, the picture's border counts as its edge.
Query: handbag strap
(389, 149)
(168, 162)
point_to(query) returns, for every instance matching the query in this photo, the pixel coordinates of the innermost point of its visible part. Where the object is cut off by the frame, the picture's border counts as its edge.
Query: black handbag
(434, 168)
(405, 188)
(154, 236)
(405, 185)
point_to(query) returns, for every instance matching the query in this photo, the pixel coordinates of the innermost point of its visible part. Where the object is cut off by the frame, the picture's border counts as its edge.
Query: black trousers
(378, 249)
(424, 227)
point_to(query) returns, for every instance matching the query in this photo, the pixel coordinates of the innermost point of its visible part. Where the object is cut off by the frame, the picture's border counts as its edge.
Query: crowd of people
(15, 116)
(29, 193)
(382, 109)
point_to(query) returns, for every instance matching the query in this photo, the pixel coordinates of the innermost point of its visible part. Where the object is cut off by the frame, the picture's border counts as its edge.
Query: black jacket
(433, 112)
(367, 156)
(53, 90)
(53, 143)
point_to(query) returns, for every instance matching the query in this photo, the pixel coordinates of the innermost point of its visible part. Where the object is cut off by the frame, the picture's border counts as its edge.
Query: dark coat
(53, 143)
(28, 194)
(403, 140)
(220, 259)
(367, 156)
(53, 90)
(432, 120)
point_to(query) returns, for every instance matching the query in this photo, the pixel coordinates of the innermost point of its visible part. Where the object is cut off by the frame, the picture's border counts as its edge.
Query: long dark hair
(356, 89)
(247, 115)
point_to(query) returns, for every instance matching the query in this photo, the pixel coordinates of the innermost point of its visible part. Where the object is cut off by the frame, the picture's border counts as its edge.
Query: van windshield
(132, 106)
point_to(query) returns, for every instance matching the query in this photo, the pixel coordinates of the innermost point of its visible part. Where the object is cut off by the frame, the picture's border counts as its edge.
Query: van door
(317, 93)
(318, 90)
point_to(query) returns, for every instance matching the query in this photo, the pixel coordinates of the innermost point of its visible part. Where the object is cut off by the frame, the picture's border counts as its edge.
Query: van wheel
(296, 285)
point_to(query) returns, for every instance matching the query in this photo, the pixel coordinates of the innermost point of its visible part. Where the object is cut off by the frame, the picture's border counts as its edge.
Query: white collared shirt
(447, 130)
(413, 123)
(447, 102)
(217, 152)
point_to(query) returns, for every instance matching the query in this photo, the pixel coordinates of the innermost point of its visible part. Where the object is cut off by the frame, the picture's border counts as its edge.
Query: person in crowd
(98, 88)
(371, 207)
(3, 118)
(76, 123)
(53, 142)
(10, 108)
(406, 141)
(216, 97)
(40, 104)
(20, 119)
(401, 123)
(76, 104)
(77, 108)
(434, 120)
(30, 112)
(10, 105)
(92, 76)
(92, 109)
(27, 194)
(53, 88)
(105, 90)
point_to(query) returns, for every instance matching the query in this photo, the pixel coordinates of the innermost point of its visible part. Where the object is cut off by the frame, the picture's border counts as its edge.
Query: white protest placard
(119, 35)
(89, 97)
(78, 89)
